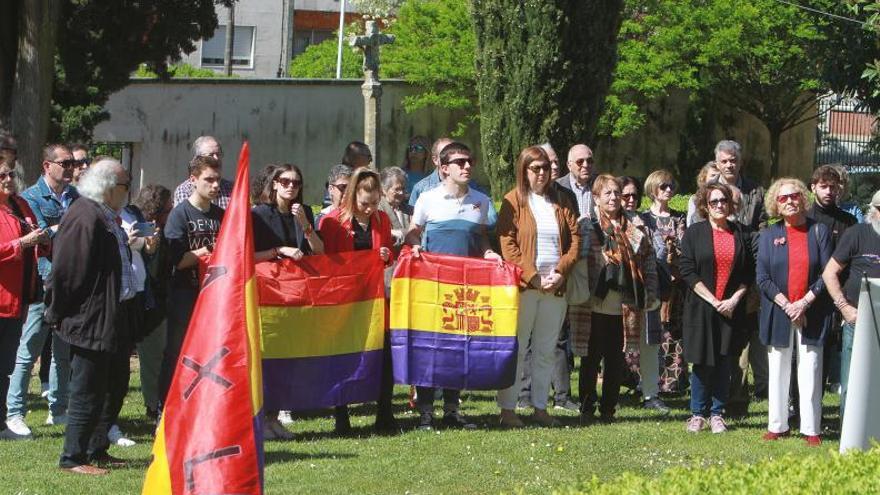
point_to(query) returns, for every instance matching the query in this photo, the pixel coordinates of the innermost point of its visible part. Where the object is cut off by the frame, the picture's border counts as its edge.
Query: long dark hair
(151, 200)
(267, 179)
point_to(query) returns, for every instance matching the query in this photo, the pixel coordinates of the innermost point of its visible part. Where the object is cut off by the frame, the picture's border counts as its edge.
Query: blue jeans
(710, 386)
(33, 336)
(849, 332)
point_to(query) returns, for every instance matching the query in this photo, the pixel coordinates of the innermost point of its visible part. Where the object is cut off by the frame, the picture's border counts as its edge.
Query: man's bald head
(580, 163)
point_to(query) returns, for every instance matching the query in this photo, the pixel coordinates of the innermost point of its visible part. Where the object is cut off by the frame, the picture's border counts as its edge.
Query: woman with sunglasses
(283, 228)
(630, 194)
(667, 229)
(717, 266)
(19, 284)
(359, 225)
(796, 312)
(538, 232)
(417, 162)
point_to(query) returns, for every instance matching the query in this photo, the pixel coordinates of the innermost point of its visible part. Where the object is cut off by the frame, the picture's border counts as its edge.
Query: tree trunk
(230, 41)
(543, 70)
(29, 101)
(775, 135)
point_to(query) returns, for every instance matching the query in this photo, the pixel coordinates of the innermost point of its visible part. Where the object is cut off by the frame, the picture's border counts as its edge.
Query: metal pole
(341, 35)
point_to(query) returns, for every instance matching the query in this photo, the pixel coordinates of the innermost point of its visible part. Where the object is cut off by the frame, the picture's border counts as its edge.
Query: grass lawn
(489, 460)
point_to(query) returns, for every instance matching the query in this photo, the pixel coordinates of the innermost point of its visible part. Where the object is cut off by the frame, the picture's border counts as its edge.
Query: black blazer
(83, 297)
(706, 334)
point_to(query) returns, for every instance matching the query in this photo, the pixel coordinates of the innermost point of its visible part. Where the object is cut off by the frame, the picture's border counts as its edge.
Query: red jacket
(12, 274)
(338, 236)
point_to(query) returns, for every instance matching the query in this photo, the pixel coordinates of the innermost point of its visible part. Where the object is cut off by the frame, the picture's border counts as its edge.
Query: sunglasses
(340, 187)
(539, 168)
(461, 161)
(11, 175)
(629, 196)
(84, 163)
(785, 198)
(285, 182)
(66, 163)
(667, 185)
(581, 161)
(718, 202)
(418, 148)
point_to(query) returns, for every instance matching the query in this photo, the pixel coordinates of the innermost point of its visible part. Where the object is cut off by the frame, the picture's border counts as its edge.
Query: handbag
(577, 288)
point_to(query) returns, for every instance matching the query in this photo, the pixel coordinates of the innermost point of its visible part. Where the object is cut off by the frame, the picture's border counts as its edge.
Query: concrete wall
(304, 122)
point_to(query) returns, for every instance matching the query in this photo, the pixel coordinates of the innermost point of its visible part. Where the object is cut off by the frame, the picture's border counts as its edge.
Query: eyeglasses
(461, 161)
(785, 198)
(539, 168)
(66, 163)
(667, 185)
(340, 187)
(216, 155)
(629, 196)
(285, 182)
(718, 202)
(581, 161)
(11, 175)
(417, 148)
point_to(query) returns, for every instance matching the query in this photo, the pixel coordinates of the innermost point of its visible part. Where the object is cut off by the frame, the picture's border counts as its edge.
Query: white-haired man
(90, 295)
(858, 249)
(205, 146)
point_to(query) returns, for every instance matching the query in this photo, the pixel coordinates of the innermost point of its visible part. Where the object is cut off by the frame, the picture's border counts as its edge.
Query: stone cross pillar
(372, 88)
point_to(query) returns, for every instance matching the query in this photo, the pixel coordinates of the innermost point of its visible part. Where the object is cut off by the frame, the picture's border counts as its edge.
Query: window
(305, 38)
(242, 47)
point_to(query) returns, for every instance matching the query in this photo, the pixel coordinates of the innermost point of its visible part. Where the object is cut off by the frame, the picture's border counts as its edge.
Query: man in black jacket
(91, 289)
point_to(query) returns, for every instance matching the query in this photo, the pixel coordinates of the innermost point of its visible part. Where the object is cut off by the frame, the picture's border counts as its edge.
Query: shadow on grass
(275, 457)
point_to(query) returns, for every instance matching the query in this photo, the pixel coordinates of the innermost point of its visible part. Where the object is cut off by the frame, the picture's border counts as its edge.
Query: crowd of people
(748, 278)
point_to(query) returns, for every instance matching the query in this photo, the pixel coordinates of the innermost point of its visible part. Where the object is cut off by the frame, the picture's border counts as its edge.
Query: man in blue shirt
(49, 198)
(450, 219)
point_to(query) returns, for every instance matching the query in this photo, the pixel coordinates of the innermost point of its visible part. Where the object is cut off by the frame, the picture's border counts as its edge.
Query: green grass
(490, 460)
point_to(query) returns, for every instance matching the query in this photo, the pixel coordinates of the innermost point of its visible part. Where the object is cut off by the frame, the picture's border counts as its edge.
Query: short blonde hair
(704, 173)
(770, 204)
(603, 180)
(656, 178)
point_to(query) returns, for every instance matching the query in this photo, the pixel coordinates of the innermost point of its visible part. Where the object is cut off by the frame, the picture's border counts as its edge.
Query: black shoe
(587, 418)
(456, 420)
(426, 421)
(386, 425)
(606, 418)
(657, 405)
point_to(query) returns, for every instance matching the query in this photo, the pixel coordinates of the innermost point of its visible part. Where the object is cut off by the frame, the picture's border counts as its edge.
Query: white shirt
(547, 234)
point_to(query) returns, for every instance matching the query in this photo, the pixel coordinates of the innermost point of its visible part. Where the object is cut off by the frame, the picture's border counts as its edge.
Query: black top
(275, 229)
(834, 218)
(859, 249)
(189, 228)
(363, 238)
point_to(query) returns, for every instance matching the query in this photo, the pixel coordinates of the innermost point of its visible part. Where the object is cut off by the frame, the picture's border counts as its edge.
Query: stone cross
(369, 43)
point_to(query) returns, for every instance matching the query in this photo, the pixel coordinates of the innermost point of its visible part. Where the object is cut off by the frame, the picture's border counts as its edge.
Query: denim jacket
(48, 211)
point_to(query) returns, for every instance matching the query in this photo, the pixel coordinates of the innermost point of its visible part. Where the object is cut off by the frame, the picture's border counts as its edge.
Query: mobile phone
(144, 229)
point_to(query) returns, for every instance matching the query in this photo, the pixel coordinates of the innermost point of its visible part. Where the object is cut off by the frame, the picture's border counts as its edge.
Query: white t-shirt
(547, 238)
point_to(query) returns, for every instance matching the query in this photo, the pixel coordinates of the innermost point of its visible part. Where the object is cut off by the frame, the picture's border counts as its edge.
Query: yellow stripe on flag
(315, 331)
(252, 314)
(419, 304)
(158, 480)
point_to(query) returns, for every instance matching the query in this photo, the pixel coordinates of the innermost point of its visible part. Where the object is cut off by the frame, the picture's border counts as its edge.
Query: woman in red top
(795, 309)
(19, 235)
(357, 225)
(717, 265)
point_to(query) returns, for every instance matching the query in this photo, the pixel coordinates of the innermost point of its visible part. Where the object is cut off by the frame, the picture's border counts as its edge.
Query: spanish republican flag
(323, 330)
(453, 322)
(210, 437)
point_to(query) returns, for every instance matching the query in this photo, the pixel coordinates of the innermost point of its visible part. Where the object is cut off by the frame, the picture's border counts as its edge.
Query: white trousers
(539, 321)
(649, 367)
(809, 374)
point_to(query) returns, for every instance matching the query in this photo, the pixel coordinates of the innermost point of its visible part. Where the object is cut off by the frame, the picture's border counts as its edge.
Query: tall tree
(543, 71)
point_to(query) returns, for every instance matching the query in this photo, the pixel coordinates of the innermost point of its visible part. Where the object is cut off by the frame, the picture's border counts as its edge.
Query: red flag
(210, 437)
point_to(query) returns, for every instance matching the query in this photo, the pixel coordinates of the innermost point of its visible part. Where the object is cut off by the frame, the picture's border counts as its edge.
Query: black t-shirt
(859, 248)
(363, 238)
(188, 229)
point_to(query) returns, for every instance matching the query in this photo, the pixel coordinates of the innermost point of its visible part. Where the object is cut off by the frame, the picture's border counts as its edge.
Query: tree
(543, 71)
(101, 43)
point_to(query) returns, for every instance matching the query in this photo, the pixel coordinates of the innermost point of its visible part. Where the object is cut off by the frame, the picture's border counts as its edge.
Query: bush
(852, 473)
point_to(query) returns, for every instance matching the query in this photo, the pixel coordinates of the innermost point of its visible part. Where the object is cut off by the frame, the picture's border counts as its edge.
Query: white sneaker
(44, 390)
(59, 420)
(280, 432)
(116, 436)
(285, 418)
(17, 425)
(8, 434)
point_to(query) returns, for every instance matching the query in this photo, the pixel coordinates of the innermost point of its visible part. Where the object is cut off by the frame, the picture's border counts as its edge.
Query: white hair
(199, 142)
(728, 146)
(547, 147)
(99, 178)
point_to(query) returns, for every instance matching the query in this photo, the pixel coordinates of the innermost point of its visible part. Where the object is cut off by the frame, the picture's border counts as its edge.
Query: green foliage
(180, 71)
(543, 71)
(319, 60)
(854, 473)
(101, 42)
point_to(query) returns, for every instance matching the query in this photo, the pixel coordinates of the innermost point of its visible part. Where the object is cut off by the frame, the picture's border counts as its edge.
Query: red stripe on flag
(325, 280)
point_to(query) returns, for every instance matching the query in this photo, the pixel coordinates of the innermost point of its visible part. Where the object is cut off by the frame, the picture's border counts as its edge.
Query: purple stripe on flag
(462, 362)
(300, 384)
(258, 440)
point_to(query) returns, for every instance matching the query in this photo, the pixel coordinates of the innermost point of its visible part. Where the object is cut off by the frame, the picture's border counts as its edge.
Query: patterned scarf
(618, 251)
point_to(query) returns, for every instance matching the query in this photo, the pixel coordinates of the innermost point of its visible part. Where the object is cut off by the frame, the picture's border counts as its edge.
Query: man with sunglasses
(206, 146)
(49, 198)
(81, 155)
(579, 179)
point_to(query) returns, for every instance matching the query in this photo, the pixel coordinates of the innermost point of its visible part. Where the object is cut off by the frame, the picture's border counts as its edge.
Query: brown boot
(509, 419)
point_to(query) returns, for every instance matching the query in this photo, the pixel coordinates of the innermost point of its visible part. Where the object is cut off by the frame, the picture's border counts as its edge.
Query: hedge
(855, 472)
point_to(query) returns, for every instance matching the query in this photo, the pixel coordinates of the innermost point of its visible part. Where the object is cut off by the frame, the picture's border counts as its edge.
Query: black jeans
(89, 411)
(10, 334)
(605, 345)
